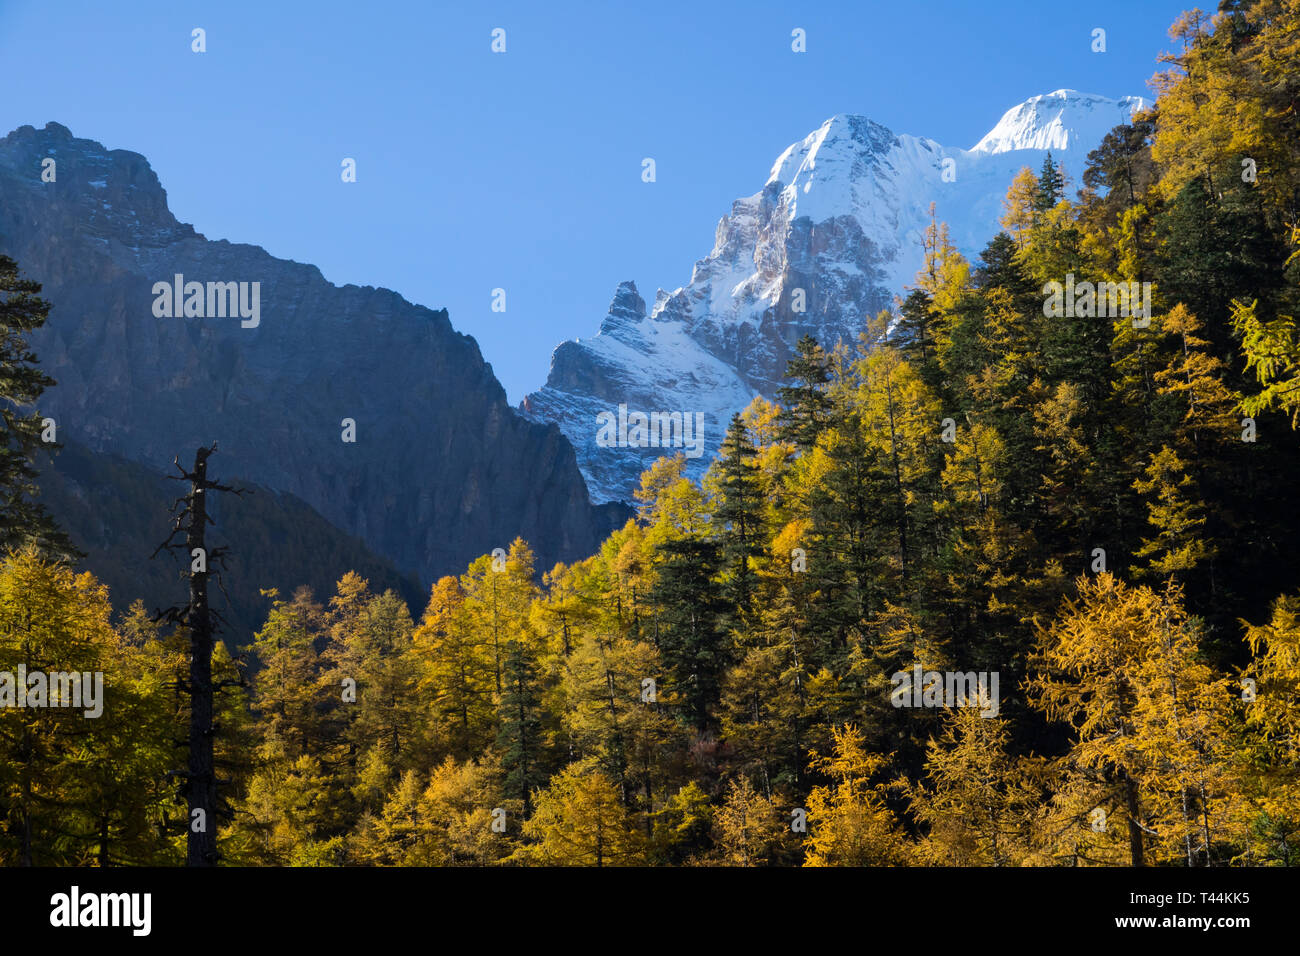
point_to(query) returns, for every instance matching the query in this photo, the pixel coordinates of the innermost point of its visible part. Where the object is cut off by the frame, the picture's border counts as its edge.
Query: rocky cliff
(833, 235)
(440, 470)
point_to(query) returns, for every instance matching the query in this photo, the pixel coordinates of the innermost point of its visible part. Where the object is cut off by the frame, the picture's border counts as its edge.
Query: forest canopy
(1095, 518)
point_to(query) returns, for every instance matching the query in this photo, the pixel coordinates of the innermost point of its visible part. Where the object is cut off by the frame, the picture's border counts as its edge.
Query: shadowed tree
(23, 430)
(190, 521)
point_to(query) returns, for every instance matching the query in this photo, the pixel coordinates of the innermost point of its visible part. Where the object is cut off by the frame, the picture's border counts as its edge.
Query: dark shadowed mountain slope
(441, 470)
(115, 511)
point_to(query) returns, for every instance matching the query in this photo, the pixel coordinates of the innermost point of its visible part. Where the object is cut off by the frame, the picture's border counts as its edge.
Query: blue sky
(522, 170)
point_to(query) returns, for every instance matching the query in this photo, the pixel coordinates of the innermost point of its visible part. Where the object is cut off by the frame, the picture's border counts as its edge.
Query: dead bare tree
(190, 519)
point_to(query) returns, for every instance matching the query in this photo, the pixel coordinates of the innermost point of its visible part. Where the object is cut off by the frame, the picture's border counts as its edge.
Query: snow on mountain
(837, 228)
(1057, 120)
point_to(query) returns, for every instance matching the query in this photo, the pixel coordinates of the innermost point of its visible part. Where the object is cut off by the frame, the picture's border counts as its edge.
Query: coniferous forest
(993, 587)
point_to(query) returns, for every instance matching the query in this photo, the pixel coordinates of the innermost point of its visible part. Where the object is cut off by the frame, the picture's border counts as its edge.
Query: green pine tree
(807, 409)
(24, 430)
(519, 737)
(737, 519)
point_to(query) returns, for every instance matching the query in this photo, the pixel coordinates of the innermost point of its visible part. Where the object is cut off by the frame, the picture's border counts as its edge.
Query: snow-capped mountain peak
(834, 234)
(843, 136)
(821, 174)
(1058, 121)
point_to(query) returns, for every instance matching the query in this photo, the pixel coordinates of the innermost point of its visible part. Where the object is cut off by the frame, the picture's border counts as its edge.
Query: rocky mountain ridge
(833, 235)
(441, 468)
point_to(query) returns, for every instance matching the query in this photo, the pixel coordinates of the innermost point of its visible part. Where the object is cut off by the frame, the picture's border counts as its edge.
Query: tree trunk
(1134, 831)
(201, 849)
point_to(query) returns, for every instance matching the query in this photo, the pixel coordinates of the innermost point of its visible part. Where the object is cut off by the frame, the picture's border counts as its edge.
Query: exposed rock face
(442, 469)
(830, 239)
